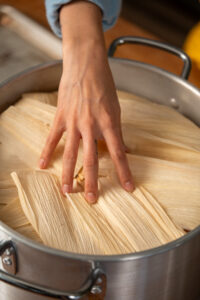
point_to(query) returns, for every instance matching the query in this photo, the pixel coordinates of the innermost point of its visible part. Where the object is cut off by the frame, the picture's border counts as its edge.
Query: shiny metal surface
(8, 257)
(170, 272)
(90, 286)
(155, 44)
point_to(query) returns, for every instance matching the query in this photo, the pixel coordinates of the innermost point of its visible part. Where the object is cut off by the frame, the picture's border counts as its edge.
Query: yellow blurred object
(192, 44)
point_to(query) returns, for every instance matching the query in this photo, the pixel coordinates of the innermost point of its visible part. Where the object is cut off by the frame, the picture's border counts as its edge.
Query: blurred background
(175, 22)
(170, 20)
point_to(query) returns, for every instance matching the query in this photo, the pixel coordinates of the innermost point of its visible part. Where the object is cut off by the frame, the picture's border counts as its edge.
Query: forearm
(83, 40)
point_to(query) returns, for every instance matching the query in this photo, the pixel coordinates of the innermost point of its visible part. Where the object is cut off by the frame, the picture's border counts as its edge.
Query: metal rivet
(7, 261)
(174, 103)
(96, 289)
(99, 280)
(9, 251)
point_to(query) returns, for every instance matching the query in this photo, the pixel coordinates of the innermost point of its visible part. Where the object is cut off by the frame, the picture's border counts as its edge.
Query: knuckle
(108, 124)
(108, 121)
(66, 178)
(69, 156)
(90, 121)
(118, 154)
(58, 117)
(67, 174)
(87, 120)
(90, 162)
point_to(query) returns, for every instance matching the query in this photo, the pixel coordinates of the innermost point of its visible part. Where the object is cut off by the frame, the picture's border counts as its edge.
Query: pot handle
(94, 286)
(156, 44)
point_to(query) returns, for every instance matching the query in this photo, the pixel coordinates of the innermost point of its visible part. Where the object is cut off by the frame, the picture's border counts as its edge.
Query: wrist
(81, 20)
(76, 53)
(90, 45)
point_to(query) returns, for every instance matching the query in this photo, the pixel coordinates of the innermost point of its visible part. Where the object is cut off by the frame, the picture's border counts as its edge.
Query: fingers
(69, 160)
(117, 152)
(90, 167)
(50, 145)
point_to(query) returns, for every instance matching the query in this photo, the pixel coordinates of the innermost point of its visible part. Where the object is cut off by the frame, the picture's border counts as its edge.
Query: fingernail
(91, 197)
(129, 186)
(42, 163)
(66, 188)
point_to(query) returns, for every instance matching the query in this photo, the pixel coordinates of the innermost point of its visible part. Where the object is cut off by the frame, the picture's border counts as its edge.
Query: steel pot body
(170, 272)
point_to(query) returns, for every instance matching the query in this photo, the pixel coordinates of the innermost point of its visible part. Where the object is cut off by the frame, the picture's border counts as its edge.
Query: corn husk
(176, 186)
(38, 110)
(143, 143)
(29, 232)
(12, 214)
(32, 134)
(159, 120)
(51, 217)
(44, 207)
(48, 98)
(8, 190)
(135, 108)
(13, 154)
(106, 228)
(164, 158)
(7, 195)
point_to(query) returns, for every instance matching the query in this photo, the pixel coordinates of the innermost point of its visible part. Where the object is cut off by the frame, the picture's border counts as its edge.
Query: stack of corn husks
(164, 156)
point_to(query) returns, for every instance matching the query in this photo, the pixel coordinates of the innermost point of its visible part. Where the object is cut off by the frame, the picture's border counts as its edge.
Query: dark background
(170, 20)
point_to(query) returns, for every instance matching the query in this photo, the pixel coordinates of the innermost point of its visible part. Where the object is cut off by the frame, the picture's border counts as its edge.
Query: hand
(88, 106)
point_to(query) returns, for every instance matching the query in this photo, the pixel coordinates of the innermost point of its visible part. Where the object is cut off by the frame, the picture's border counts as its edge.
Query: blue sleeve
(110, 10)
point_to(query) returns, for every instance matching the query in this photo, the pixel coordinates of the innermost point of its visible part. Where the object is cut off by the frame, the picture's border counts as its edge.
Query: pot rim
(133, 63)
(17, 237)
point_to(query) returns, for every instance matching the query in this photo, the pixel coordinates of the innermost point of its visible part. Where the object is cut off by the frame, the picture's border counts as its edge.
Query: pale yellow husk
(164, 156)
(159, 120)
(12, 214)
(48, 98)
(32, 133)
(106, 228)
(176, 186)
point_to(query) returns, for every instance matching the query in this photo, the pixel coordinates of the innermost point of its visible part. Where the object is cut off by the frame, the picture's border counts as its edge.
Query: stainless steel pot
(31, 271)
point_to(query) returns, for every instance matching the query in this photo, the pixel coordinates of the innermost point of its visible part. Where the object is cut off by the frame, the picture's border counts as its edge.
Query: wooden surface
(36, 10)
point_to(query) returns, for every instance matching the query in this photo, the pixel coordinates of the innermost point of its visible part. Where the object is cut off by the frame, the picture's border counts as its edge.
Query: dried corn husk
(32, 134)
(38, 110)
(164, 158)
(176, 186)
(119, 223)
(160, 120)
(21, 124)
(7, 195)
(44, 207)
(13, 154)
(12, 214)
(29, 232)
(143, 143)
(134, 107)
(51, 217)
(132, 216)
(48, 98)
